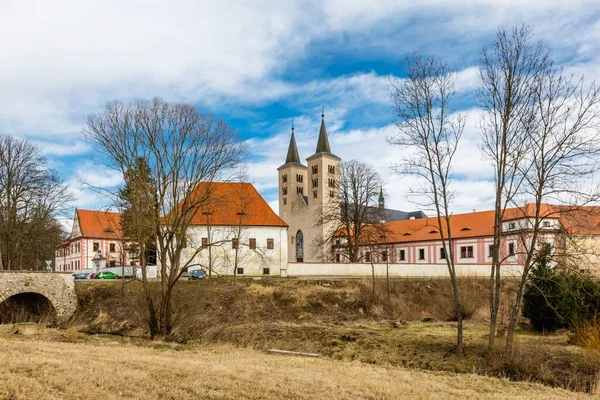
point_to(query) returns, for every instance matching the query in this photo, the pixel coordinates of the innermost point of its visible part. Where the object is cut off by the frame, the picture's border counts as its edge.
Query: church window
(331, 183)
(315, 183)
(299, 190)
(284, 178)
(299, 178)
(315, 169)
(284, 191)
(331, 194)
(331, 169)
(314, 194)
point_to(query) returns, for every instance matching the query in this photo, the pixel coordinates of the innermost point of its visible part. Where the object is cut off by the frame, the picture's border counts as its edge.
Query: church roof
(293, 157)
(323, 142)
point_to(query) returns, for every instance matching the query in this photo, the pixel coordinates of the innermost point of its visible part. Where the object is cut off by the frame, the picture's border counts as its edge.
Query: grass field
(71, 365)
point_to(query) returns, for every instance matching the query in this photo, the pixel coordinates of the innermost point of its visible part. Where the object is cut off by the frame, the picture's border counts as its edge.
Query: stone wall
(58, 288)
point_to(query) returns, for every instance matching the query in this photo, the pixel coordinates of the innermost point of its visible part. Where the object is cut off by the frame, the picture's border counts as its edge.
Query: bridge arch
(58, 288)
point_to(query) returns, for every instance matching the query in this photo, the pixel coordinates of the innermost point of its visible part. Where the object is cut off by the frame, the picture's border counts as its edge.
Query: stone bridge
(58, 288)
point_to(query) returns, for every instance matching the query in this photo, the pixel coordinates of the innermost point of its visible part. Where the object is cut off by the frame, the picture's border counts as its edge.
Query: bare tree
(182, 149)
(563, 156)
(509, 69)
(31, 197)
(356, 213)
(430, 133)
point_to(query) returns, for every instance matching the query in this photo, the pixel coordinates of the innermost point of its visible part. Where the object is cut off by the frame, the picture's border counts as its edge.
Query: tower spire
(292, 154)
(323, 142)
(381, 198)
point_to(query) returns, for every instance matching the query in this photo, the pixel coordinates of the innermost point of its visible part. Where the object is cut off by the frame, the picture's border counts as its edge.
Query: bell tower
(323, 193)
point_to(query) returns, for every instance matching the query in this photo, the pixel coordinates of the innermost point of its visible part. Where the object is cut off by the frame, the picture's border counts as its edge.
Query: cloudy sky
(258, 65)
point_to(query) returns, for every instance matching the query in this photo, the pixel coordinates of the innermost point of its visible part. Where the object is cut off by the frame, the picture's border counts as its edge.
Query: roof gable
(98, 224)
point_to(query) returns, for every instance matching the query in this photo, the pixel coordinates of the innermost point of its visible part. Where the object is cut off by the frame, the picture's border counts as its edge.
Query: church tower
(323, 192)
(305, 193)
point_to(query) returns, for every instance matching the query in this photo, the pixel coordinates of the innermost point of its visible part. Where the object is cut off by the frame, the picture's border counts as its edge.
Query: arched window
(299, 246)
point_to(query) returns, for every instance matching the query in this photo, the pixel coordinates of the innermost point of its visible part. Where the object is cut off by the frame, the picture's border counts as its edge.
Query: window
(284, 190)
(299, 190)
(204, 242)
(466, 252)
(315, 169)
(331, 183)
(240, 271)
(546, 224)
(384, 257)
(284, 201)
(112, 247)
(284, 178)
(442, 253)
(331, 194)
(235, 243)
(299, 178)
(337, 258)
(314, 194)
(512, 225)
(511, 249)
(96, 246)
(113, 263)
(368, 256)
(266, 271)
(402, 255)
(315, 183)
(421, 254)
(270, 244)
(331, 169)
(491, 250)
(252, 243)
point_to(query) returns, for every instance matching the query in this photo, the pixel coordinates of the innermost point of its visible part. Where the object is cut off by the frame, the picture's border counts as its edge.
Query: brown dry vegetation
(71, 365)
(343, 320)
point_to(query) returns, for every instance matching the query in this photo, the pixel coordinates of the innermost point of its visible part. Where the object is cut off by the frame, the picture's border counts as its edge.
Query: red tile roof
(576, 220)
(99, 224)
(232, 203)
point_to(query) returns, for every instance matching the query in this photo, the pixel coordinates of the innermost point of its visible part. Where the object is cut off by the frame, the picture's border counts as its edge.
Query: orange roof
(99, 224)
(576, 220)
(473, 224)
(232, 203)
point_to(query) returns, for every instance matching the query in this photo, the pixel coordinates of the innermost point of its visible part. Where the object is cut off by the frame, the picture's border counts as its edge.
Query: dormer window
(546, 224)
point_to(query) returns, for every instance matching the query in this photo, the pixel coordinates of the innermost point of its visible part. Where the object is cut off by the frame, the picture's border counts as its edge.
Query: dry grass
(68, 365)
(587, 335)
(344, 321)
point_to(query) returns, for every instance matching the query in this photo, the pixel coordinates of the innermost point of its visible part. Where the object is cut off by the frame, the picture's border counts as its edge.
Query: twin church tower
(306, 192)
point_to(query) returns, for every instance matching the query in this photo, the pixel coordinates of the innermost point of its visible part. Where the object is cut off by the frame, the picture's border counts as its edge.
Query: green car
(106, 275)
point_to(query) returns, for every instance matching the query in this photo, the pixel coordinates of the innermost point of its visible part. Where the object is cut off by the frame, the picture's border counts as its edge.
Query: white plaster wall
(396, 270)
(253, 261)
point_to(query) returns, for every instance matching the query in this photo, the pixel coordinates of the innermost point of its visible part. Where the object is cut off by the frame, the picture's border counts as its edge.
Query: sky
(259, 65)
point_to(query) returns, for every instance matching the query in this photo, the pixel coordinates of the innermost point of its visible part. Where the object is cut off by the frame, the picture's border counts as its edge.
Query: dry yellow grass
(59, 365)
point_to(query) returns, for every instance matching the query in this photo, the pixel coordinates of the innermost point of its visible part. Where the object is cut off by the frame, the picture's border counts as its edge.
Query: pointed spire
(292, 154)
(323, 142)
(381, 198)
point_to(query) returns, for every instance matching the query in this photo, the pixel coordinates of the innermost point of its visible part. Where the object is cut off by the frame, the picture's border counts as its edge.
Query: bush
(559, 298)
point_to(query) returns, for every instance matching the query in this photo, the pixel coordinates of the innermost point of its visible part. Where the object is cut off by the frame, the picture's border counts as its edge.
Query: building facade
(95, 242)
(235, 232)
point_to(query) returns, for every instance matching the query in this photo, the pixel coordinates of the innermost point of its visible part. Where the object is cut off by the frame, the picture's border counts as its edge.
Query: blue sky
(258, 65)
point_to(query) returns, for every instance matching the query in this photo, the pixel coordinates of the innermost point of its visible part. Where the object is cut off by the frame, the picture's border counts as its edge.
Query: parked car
(106, 275)
(196, 274)
(93, 275)
(81, 275)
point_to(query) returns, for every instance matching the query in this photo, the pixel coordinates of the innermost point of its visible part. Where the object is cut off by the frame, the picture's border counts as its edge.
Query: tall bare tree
(430, 133)
(31, 197)
(509, 69)
(355, 215)
(563, 155)
(182, 149)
